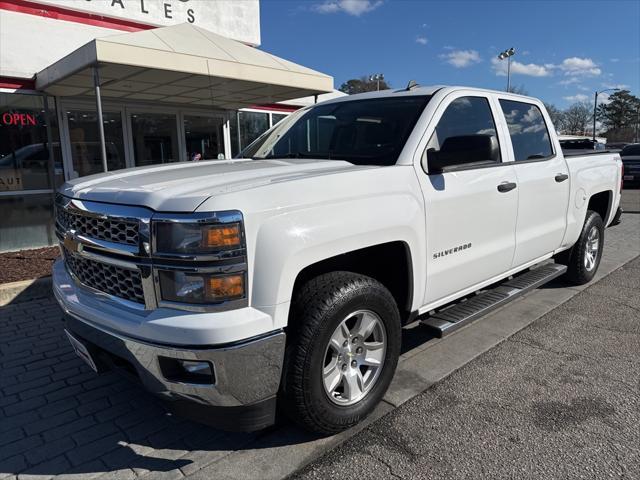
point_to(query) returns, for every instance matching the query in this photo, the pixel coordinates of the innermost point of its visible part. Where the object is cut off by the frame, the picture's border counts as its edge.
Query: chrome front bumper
(245, 373)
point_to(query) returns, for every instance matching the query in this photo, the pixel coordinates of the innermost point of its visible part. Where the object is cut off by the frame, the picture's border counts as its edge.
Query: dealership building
(88, 86)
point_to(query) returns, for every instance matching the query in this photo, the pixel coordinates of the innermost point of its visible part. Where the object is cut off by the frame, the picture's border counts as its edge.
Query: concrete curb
(18, 292)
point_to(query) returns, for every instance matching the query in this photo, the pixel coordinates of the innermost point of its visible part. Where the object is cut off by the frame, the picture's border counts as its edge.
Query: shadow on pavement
(57, 416)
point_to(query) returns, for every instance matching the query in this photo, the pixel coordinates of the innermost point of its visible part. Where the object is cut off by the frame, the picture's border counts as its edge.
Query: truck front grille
(110, 230)
(111, 279)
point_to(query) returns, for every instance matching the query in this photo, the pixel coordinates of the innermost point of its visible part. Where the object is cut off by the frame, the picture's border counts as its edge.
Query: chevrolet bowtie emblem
(71, 243)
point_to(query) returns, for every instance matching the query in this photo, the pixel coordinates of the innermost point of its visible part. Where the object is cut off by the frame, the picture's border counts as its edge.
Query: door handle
(506, 186)
(561, 177)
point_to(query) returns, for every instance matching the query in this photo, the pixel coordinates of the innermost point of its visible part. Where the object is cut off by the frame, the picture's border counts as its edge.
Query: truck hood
(182, 187)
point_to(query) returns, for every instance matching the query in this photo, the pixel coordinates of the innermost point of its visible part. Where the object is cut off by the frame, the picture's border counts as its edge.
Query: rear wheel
(342, 351)
(583, 258)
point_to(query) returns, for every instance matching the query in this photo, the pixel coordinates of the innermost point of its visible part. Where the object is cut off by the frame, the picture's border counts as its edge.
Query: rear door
(470, 199)
(543, 181)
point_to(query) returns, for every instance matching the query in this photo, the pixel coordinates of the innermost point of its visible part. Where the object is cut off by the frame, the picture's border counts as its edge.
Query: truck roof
(416, 91)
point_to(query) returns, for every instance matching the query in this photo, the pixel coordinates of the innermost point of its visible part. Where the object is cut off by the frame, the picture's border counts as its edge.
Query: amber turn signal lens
(222, 236)
(230, 286)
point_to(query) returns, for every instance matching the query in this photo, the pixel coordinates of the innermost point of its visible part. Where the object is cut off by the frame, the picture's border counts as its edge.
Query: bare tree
(557, 117)
(518, 90)
(577, 118)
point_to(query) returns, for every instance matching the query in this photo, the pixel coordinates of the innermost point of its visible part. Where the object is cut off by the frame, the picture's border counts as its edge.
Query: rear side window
(528, 130)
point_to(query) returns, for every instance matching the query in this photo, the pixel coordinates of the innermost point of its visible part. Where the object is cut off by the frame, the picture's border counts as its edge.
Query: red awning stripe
(17, 83)
(61, 13)
(278, 107)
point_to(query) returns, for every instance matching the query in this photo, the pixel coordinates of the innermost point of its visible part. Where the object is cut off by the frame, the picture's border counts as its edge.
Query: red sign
(22, 119)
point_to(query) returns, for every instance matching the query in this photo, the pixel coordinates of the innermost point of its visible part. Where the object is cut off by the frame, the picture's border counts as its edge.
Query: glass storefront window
(204, 137)
(24, 144)
(27, 221)
(85, 142)
(252, 125)
(276, 117)
(247, 126)
(155, 138)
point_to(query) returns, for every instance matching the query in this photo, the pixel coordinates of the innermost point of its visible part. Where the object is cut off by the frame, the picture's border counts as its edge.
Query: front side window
(362, 132)
(464, 136)
(528, 130)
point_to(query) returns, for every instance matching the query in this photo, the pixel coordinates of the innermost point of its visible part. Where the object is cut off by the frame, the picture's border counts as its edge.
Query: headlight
(196, 238)
(200, 288)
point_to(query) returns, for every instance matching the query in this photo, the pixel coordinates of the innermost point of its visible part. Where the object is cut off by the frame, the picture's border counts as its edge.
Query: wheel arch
(389, 263)
(601, 203)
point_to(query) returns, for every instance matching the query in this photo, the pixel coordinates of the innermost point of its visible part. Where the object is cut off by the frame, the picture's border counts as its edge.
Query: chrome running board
(455, 316)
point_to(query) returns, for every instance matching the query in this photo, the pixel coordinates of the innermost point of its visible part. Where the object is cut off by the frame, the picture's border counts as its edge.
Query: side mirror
(435, 165)
(462, 150)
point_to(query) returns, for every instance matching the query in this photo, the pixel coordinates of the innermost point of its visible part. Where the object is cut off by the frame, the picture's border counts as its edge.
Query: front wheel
(343, 350)
(583, 259)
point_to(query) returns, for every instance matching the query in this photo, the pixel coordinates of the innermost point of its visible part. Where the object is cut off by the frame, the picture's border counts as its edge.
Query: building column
(103, 146)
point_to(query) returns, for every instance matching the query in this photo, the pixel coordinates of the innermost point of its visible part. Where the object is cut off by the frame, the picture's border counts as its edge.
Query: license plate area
(82, 351)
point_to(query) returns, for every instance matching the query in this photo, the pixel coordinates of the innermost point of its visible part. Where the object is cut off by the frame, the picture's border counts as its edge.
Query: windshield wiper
(287, 155)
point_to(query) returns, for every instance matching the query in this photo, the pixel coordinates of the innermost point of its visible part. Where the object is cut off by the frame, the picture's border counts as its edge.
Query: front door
(543, 183)
(471, 201)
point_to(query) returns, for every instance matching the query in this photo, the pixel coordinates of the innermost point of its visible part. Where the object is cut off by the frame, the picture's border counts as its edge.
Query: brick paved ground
(57, 416)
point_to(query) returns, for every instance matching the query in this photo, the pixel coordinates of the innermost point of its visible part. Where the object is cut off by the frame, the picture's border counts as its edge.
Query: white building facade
(179, 80)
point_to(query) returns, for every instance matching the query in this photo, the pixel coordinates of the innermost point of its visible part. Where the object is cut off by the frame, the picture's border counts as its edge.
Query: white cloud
(422, 40)
(351, 7)
(620, 86)
(579, 66)
(614, 60)
(530, 69)
(461, 58)
(569, 81)
(578, 97)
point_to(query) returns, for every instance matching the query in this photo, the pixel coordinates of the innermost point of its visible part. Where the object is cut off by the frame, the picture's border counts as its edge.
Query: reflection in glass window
(85, 142)
(204, 137)
(155, 138)
(466, 133)
(528, 130)
(252, 125)
(27, 221)
(276, 117)
(24, 147)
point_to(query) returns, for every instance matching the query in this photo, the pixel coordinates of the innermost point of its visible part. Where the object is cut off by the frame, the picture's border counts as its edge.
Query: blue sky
(565, 50)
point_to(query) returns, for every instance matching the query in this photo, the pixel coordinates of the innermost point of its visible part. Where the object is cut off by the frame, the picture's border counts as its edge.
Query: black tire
(319, 307)
(577, 271)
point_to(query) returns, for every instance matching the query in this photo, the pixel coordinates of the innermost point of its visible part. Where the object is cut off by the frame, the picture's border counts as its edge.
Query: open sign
(15, 118)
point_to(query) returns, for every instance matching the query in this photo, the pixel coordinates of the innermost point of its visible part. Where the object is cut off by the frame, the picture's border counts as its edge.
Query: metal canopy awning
(181, 64)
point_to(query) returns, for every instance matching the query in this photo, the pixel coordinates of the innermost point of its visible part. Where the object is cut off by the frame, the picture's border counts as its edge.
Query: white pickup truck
(284, 277)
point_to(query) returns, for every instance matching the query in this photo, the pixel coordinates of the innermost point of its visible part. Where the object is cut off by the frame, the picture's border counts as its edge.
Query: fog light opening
(197, 372)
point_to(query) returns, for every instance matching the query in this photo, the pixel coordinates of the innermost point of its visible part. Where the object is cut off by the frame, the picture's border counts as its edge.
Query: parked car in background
(284, 277)
(581, 144)
(631, 160)
(616, 145)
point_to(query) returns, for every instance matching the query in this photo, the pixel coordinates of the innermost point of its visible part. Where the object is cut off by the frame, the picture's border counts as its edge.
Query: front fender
(289, 242)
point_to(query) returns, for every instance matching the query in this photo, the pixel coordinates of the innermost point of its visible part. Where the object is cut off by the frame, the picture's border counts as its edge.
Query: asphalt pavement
(559, 399)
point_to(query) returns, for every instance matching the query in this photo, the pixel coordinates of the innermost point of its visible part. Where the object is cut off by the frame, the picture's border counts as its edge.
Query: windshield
(363, 132)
